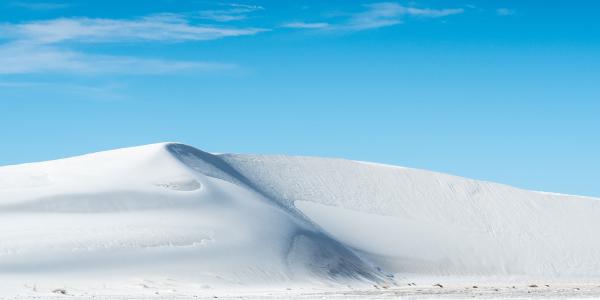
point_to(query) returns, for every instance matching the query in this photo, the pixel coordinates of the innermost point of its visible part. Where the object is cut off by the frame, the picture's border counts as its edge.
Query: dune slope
(147, 211)
(173, 211)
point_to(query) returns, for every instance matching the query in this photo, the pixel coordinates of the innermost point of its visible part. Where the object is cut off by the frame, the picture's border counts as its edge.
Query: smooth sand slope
(163, 212)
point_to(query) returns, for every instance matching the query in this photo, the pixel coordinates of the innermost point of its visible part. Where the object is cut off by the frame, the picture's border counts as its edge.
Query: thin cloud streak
(388, 13)
(305, 25)
(32, 59)
(40, 5)
(45, 46)
(235, 12)
(377, 15)
(158, 28)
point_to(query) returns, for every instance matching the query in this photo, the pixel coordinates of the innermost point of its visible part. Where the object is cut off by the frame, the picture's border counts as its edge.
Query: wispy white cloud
(47, 46)
(376, 15)
(163, 27)
(40, 5)
(389, 13)
(29, 59)
(505, 12)
(234, 12)
(305, 25)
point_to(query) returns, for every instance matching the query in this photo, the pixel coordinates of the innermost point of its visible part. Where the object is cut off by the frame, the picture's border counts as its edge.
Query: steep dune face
(414, 221)
(173, 211)
(153, 211)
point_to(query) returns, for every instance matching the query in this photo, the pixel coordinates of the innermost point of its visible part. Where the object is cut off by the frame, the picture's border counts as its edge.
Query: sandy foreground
(175, 290)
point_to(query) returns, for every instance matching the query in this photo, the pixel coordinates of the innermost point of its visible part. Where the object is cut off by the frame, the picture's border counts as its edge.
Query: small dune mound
(182, 185)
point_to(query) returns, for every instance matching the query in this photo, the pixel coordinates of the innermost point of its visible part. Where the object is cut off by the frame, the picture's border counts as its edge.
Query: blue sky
(506, 91)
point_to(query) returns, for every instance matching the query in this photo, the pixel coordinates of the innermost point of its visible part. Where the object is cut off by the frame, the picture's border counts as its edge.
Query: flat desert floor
(175, 291)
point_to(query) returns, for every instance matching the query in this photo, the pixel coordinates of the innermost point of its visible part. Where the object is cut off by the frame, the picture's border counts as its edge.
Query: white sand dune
(172, 212)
